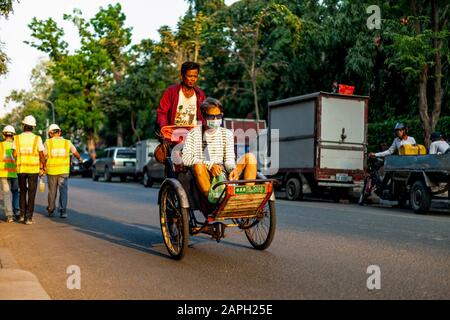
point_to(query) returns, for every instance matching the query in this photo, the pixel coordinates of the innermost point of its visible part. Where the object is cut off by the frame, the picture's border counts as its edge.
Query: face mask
(214, 124)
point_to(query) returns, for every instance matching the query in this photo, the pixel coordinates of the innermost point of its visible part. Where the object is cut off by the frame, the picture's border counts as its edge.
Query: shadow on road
(139, 237)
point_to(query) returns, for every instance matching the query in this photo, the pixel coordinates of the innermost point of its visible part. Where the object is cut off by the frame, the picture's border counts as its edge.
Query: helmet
(9, 129)
(435, 136)
(29, 121)
(54, 127)
(399, 126)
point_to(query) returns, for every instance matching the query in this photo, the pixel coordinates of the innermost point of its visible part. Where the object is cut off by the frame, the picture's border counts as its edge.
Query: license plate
(342, 177)
(129, 164)
(250, 190)
(76, 168)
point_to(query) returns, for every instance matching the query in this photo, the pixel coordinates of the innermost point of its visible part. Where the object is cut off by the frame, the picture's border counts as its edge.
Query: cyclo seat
(173, 136)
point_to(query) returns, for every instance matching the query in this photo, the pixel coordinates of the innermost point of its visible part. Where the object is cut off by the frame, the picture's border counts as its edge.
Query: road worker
(57, 150)
(8, 175)
(29, 153)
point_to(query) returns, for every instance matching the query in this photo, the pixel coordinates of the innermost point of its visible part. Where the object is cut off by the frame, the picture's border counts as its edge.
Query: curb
(17, 284)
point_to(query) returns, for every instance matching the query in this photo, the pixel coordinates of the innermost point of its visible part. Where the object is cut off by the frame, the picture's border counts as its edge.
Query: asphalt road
(321, 250)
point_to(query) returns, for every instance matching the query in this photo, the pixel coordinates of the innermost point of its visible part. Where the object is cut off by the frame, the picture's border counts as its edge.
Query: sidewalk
(17, 284)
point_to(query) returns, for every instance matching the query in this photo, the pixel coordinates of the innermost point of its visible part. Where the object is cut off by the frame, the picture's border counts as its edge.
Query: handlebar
(242, 182)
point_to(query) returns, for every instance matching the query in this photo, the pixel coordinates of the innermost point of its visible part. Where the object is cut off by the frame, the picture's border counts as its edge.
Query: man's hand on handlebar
(371, 155)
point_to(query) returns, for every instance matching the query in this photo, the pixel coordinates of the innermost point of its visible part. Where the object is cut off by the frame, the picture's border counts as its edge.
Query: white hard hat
(29, 121)
(54, 127)
(9, 129)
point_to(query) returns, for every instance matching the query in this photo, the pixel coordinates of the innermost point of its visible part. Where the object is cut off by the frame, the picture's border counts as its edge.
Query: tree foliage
(251, 52)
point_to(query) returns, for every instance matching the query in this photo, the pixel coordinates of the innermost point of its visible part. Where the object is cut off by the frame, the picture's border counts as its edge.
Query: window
(126, 154)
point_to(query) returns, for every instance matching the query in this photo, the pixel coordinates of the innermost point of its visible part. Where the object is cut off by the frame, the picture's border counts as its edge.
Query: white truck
(322, 144)
(148, 170)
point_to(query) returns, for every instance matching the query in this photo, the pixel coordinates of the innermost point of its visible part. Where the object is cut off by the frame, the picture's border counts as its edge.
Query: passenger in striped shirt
(209, 150)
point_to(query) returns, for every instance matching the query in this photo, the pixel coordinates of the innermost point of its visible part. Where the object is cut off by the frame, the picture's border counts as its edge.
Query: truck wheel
(147, 180)
(293, 189)
(123, 178)
(420, 198)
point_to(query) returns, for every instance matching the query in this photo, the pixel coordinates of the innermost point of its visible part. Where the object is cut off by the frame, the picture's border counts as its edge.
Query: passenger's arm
(229, 156)
(388, 152)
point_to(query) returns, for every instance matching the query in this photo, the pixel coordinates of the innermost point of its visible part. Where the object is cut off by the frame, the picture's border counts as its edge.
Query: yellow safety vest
(8, 167)
(27, 153)
(58, 161)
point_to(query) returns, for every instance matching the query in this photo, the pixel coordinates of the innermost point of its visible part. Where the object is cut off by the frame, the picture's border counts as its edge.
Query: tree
(28, 101)
(256, 32)
(6, 7)
(419, 43)
(81, 78)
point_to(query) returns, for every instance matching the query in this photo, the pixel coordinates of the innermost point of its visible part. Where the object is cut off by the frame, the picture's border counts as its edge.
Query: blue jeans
(14, 185)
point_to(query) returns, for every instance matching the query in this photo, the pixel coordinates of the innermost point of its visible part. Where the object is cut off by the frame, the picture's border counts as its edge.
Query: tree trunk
(437, 43)
(255, 98)
(119, 134)
(253, 77)
(133, 127)
(91, 144)
(423, 106)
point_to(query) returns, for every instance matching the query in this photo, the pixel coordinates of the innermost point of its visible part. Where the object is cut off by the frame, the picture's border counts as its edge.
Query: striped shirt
(216, 147)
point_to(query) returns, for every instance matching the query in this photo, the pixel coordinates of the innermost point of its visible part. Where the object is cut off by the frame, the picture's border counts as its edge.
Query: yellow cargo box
(412, 150)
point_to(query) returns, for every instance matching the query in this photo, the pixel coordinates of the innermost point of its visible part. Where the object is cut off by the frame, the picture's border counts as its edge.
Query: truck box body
(143, 150)
(242, 146)
(322, 137)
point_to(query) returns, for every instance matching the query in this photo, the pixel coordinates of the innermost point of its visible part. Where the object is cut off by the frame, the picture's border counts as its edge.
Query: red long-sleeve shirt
(168, 105)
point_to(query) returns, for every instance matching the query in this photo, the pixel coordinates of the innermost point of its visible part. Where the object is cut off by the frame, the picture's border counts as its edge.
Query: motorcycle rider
(401, 139)
(438, 144)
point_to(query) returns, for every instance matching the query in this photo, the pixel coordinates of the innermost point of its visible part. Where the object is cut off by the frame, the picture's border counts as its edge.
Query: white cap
(29, 121)
(54, 127)
(9, 129)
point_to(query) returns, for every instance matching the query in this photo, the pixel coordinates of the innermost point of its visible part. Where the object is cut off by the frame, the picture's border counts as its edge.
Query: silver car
(153, 172)
(115, 162)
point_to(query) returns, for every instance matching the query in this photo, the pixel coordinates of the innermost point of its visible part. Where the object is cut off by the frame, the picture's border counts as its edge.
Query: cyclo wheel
(174, 222)
(260, 231)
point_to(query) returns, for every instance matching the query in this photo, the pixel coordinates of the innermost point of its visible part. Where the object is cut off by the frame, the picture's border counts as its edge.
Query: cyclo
(248, 205)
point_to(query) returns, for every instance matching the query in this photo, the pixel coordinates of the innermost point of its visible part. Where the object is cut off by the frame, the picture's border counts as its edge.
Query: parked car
(115, 162)
(154, 171)
(147, 168)
(85, 169)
